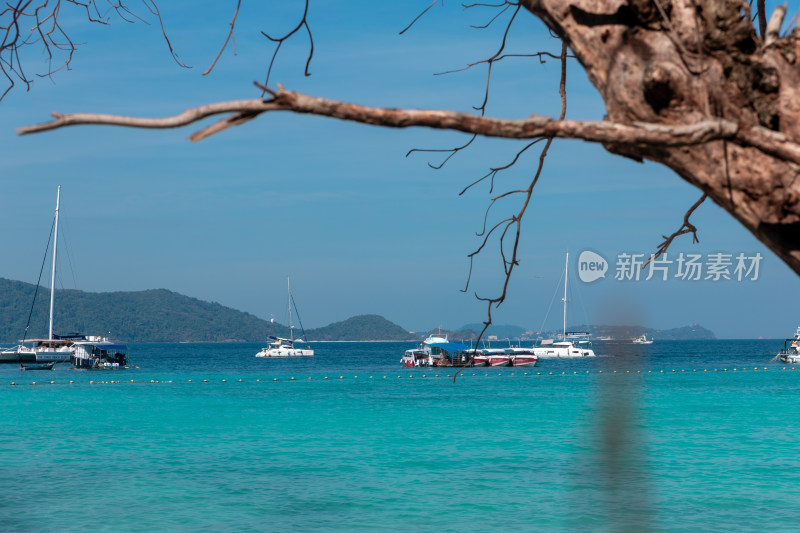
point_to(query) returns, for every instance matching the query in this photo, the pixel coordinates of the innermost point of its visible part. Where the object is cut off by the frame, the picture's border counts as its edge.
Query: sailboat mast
(566, 280)
(289, 290)
(53, 273)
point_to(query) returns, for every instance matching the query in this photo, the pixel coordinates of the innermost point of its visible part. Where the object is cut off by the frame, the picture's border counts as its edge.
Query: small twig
(280, 40)
(418, 17)
(227, 39)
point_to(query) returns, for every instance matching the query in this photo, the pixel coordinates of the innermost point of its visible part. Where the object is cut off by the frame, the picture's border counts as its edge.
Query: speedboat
(497, 356)
(791, 349)
(522, 356)
(642, 340)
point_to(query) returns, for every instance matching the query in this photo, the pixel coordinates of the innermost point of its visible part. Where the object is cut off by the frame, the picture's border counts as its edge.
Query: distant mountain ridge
(160, 315)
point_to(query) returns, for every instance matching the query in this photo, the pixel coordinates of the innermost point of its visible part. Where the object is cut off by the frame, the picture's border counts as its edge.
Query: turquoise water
(583, 449)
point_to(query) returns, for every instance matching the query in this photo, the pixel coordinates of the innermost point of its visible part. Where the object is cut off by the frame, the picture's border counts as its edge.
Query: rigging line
(541, 328)
(63, 232)
(299, 319)
(580, 300)
(38, 281)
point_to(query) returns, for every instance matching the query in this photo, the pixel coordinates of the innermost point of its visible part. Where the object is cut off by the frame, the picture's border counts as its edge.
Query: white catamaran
(82, 351)
(54, 347)
(565, 347)
(280, 347)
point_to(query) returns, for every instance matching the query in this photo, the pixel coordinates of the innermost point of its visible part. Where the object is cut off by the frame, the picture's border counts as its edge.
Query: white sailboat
(565, 347)
(54, 347)
(280, 347)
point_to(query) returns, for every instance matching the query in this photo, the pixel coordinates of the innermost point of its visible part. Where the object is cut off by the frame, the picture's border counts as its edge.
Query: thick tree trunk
(680, 62)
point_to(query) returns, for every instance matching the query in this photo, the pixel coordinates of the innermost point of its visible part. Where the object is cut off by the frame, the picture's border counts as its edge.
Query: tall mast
(289, 290)
(566, 280)
(53, 273)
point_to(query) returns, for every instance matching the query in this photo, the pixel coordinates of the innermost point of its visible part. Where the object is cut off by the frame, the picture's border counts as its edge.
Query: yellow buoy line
(410, 376)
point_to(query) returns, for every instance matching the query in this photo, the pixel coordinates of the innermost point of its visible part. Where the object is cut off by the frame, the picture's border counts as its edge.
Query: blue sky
(360, 227)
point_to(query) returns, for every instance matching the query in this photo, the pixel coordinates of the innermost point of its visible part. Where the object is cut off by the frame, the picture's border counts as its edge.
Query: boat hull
(524, 360)
(17, 357)
(293, 352)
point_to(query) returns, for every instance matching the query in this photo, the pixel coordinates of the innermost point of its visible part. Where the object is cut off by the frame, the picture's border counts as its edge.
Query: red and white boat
(523, 357)
(478, 359)
(497, 357)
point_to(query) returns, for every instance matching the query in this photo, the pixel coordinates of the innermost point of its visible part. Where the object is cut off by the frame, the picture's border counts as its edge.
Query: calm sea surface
(610, 444)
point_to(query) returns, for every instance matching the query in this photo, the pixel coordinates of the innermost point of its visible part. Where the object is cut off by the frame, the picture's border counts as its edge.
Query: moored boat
(791, 349)
(522, 357)
(55, 348)
(99, 353)
(577, 347)
(436, 350)
(280, 347)
(497, 356)
(37, 366)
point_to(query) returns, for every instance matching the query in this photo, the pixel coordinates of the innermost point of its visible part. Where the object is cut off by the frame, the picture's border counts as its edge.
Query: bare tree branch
(687, 227)
(280, 40)
(29, 23)
(768, 141)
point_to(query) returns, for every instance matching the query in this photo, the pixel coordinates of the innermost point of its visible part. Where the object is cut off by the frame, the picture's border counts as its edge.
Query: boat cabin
(99, 353)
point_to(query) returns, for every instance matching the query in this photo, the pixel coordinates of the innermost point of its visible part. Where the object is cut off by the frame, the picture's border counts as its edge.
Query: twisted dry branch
(636, 133)
(687, 227)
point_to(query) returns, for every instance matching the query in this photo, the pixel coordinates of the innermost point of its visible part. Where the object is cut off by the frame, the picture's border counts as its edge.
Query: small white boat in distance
(642, 340)
(280, 347)
(791, 349)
